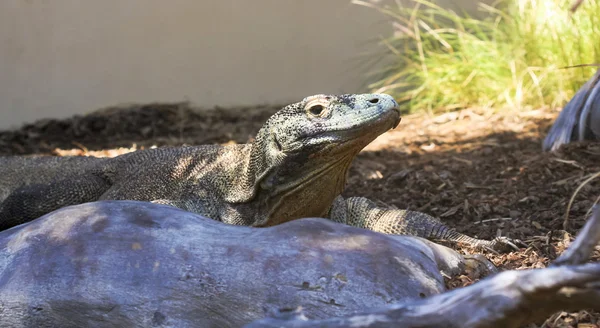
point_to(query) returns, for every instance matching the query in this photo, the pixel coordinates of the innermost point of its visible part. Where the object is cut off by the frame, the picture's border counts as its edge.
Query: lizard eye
(316, 110)
(318, 107)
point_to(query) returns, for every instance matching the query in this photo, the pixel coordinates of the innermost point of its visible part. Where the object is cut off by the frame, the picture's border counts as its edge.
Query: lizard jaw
(374, 128)
(397, 122)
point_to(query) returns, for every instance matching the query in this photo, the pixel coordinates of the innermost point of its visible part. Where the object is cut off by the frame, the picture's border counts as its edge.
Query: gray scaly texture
(295, 168)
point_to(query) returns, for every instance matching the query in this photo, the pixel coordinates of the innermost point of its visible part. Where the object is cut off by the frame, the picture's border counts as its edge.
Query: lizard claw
(504, 244)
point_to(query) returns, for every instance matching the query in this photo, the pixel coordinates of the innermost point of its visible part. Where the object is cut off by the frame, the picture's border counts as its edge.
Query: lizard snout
(387, 103)
(399, 118)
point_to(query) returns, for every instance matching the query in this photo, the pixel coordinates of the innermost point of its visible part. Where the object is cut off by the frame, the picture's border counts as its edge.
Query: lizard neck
(309, 195)
(249, 170)
(281, 187)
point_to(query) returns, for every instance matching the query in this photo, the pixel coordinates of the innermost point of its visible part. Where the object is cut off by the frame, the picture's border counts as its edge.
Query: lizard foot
(503, 245)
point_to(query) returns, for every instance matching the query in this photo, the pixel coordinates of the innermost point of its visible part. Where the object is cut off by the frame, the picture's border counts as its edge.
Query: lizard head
(324, 125)
(305, 149)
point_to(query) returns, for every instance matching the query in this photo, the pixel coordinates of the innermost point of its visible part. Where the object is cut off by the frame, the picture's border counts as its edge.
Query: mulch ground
(481, 171)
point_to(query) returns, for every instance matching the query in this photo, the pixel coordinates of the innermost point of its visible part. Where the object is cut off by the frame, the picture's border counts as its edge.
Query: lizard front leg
(29, 202)
(363, 213)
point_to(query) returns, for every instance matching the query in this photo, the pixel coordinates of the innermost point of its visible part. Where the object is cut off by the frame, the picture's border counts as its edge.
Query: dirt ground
(481, 171)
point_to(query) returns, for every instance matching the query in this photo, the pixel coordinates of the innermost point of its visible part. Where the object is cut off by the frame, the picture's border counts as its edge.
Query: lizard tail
(363, 213)
(447, 234)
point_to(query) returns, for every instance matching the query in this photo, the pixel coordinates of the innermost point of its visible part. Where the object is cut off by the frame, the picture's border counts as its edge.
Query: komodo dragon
(295, 168)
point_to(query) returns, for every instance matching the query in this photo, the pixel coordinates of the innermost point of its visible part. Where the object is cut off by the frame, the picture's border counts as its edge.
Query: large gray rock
(136, 264)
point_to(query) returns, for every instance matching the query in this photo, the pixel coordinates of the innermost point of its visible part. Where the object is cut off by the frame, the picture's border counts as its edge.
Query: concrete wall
(62, 57)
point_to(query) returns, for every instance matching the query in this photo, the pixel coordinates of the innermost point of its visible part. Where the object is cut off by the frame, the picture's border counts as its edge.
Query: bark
(507, 299)
(579, 120)
(137, 264)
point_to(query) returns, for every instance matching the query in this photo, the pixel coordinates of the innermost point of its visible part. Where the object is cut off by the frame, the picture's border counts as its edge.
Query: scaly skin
(296, 168)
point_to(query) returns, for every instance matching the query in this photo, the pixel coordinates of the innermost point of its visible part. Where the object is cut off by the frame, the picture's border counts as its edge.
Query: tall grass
(515, 55)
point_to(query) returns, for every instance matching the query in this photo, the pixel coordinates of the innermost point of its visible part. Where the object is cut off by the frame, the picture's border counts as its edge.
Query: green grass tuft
(514, 56)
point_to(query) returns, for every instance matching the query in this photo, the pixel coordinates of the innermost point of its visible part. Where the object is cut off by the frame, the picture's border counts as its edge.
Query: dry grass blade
(575, 5)
(566, 221)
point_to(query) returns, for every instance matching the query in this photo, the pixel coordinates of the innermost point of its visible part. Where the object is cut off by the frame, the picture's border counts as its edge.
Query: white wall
(62, 57)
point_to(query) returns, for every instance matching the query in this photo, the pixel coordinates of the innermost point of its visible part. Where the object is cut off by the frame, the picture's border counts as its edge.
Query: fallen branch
(583, 247)
(138, 264)
(508, 299)
(579, 119)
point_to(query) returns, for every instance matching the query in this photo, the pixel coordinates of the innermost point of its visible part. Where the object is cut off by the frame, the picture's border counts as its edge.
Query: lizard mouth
(366, 130)
(370, 128)
(397, 122)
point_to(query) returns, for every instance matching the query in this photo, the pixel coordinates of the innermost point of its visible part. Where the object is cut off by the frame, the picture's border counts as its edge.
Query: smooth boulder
(137, 264)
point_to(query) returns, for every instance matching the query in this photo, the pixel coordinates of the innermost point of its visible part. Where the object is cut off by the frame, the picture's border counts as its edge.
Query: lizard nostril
(374, 100)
